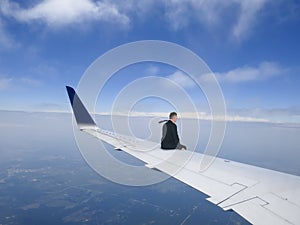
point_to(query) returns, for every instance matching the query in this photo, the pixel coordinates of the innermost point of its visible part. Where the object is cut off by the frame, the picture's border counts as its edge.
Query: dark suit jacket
(170, 137)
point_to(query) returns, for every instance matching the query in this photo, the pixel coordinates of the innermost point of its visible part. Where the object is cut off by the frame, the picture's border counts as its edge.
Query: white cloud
(290, 114)
(11, 82)
(182, 79)
(176, 10)
(5, 82)
(30, 81)
(249, 10)
(152, 70)
(263, 71)
(6, 40)
(64, 12)
(49, 107)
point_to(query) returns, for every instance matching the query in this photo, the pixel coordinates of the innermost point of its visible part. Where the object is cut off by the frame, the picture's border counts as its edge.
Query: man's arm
(164, 132)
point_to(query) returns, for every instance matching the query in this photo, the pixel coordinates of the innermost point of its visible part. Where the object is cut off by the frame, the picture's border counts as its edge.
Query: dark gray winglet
(82, 116)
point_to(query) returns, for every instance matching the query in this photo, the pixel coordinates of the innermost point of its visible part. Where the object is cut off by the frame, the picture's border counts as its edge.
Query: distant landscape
(44, 179)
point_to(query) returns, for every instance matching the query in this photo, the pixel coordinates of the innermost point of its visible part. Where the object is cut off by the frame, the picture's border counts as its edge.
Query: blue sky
(252, 46)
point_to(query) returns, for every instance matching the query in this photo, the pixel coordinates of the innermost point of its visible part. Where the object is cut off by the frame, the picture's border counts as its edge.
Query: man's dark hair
(172, 114)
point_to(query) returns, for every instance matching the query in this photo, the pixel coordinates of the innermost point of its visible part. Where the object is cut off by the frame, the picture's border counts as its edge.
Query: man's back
(170, 137)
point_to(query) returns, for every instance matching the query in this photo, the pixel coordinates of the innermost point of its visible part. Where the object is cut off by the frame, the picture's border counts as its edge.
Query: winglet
(82, 116)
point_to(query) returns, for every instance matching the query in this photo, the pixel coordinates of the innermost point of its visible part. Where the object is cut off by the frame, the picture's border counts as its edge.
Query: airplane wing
(259, 195)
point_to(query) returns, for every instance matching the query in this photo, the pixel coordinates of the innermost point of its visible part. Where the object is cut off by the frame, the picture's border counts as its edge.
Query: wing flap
(276, 204)
(254, 211)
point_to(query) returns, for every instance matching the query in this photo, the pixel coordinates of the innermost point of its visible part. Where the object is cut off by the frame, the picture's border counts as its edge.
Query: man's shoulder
(170, 123)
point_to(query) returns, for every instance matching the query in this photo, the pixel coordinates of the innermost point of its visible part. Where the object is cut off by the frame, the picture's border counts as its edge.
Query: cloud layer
(239, 16)
(233, 20)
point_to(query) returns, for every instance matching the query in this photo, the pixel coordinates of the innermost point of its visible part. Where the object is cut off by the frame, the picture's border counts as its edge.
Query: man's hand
(183, 147)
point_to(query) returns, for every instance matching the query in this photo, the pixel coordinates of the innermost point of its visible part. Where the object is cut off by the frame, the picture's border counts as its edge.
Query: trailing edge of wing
(82, 116)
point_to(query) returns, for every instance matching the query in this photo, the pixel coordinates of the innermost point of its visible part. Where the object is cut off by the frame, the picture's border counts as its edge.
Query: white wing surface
(259, 195)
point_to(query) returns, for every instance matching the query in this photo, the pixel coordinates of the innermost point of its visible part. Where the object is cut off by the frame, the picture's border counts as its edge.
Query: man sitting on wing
(170, 139)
